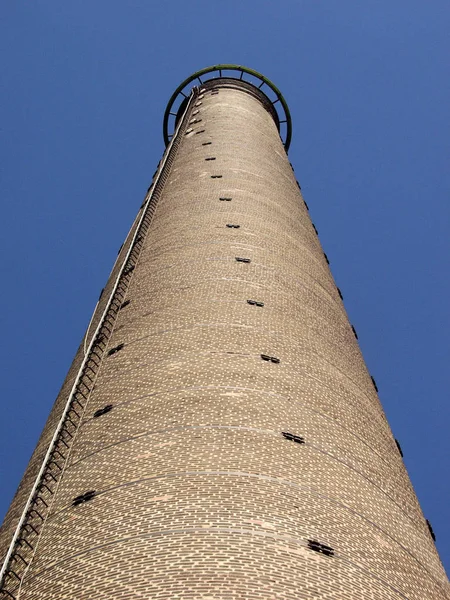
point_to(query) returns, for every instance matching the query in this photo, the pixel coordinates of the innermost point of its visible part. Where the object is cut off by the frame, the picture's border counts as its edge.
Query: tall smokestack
(218, 435)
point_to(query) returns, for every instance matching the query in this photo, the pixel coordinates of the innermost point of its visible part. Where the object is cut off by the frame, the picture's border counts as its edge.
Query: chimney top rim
(278, 104)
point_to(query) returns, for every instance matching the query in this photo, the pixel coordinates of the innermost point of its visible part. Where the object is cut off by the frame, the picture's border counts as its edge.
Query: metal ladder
(37, 507)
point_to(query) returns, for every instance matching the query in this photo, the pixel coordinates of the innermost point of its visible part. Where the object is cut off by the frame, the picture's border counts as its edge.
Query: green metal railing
(181, 94)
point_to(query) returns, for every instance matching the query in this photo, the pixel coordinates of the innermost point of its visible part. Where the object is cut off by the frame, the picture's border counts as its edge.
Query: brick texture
(198, 493)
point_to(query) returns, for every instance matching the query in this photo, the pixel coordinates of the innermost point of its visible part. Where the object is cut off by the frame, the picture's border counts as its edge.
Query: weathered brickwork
(198, 493)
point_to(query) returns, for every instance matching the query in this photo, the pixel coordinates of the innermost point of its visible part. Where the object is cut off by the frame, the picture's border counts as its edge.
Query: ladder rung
(78, 402)
(26, 542)
(66, 431)
(56, 451)
(53, 462)
(33, 510)
(17, 555)
(35, 531)
(88, 389)
(40, 499)
(61, 440)
(89, 368)
(72, 410)
(69, 420)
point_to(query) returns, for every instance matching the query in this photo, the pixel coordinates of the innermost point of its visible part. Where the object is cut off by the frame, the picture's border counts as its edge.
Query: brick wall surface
(199, 495)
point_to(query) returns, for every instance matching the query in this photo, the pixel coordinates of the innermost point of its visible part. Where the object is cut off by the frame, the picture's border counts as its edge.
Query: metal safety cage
(239, 73)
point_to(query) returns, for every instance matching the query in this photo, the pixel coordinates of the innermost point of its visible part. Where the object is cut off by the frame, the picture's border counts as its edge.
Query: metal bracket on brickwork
(255, 303)
(268, 358)
(115, 349)
(374, 383)
(84, 498)
(321, 548)
(430, 529)
(102, 411)
(21, 550)
(292, 437)
(399, 448)
(239, 73)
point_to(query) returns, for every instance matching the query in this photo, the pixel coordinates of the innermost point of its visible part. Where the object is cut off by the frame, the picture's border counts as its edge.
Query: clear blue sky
(367, 82)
